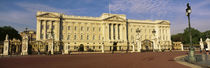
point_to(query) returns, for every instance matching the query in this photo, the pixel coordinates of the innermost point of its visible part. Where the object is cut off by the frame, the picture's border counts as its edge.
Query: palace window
(75, 47)
(75, 37)
(93, 37)
(68, 27)
(87, 28)
(68, 47)
(87, 37)
(99, 29)
(81, 28)
(93, 28)
(81, 37)
(99, 37)
(120, 48)
(75, 28)
(99, 47)
(93, 47)
(68, 37)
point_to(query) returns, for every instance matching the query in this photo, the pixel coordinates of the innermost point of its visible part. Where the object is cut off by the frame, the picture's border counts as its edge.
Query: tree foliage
(177, 37)
(185, 38)
(205, 34)
(10, 31)
(196, 35)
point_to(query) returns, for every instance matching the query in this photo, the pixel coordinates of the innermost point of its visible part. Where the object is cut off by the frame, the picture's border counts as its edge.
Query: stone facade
(31, 35)
(105, 33)
(178, 46)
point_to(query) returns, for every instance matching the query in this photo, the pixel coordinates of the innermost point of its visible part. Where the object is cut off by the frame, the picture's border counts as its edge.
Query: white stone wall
(92, 32)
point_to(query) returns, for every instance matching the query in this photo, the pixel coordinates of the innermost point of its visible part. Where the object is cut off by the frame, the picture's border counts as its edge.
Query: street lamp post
(191, 49)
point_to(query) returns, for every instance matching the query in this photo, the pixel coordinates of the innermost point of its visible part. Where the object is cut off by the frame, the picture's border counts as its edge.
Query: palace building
(109, 32)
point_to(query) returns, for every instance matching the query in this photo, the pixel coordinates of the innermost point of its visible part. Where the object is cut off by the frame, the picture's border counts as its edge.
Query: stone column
(6, 45)
(112, 35)
(38, 27)
(138, 42)
(102, 48)
(133, 50)
(159, 47)
(120, 31)
(66, 48)
(51, 44)
(45, 29)
(56, 29)
(116, 32)
(154, 45)
(139, 45)
(25, 45)
(125, 33)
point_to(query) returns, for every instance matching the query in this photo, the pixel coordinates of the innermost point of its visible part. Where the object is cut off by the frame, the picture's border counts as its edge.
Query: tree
(10, 31)
(196, 35)
(205, 34)
(177, 38)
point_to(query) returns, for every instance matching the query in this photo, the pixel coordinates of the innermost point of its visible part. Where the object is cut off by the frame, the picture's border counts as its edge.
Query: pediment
(114, 18)
(47, 15)
(165, 23)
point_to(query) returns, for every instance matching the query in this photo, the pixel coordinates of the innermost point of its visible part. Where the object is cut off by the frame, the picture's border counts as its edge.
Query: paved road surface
(131, 60)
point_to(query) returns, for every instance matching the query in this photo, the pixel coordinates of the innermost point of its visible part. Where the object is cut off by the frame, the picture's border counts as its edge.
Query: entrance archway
(115, 46)
(147, 45)
(81, 47)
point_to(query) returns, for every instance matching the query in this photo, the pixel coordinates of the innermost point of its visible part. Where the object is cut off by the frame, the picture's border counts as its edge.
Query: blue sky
(21, 13)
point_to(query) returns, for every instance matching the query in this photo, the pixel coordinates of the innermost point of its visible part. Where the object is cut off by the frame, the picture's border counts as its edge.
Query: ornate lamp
(191, 48)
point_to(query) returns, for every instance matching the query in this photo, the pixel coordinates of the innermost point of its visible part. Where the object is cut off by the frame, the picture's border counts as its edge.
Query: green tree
(10, 31)
(205, 34)
(177, 38)
(196, 35)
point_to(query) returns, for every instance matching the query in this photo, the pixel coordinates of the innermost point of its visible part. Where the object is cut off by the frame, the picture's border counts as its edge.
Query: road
(130, 60)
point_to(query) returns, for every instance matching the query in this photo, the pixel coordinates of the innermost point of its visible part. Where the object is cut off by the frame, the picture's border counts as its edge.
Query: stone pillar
(133, 50)
(45, 29)
(154, 45)
(112, 35)
(116, 32)
(121, 30)
(66, 48)
(6, 45)
(38, 27)
(51, 45)
(201, 44)
(138, 42)
(102, 48)
(25, 45)
(139, 45)
(159, 47)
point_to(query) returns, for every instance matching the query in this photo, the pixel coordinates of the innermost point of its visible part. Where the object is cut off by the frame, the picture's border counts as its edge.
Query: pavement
(99, 60)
